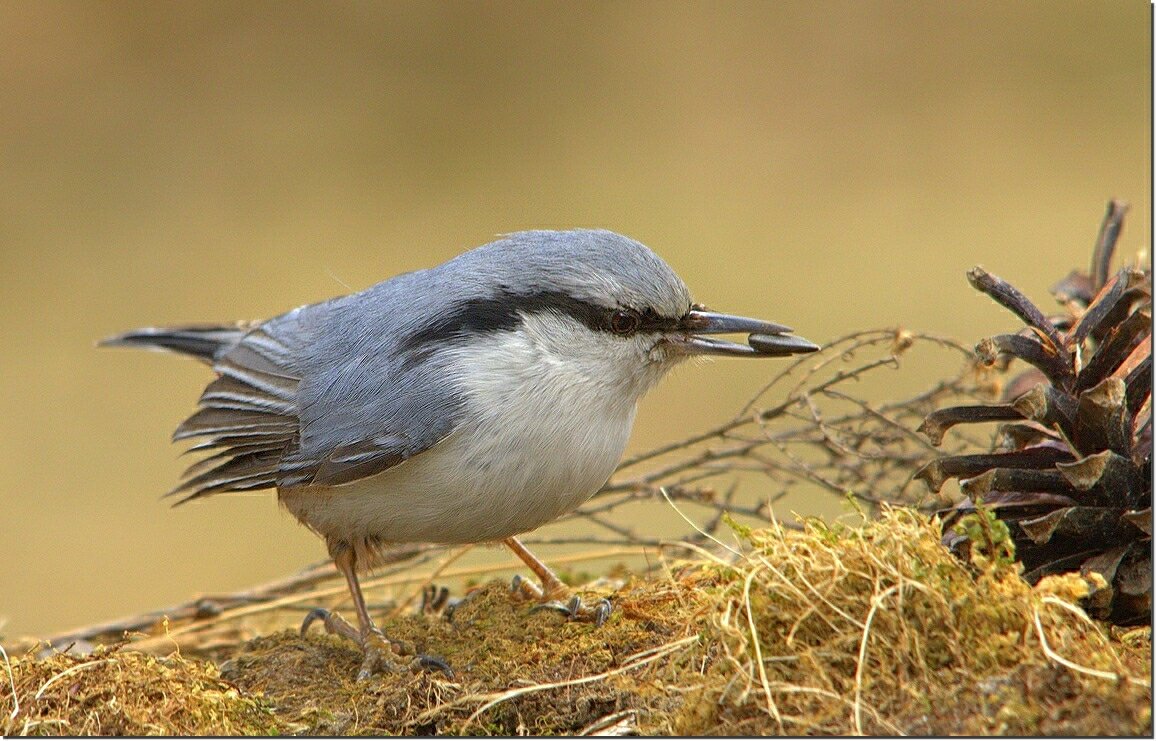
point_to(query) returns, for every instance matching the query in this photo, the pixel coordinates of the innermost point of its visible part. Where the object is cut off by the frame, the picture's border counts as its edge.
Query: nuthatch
(466, 403)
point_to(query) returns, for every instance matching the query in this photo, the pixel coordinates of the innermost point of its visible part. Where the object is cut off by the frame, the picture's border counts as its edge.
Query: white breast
(542, 432)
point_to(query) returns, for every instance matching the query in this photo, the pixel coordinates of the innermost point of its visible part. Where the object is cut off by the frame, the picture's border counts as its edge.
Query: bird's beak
(766, 339)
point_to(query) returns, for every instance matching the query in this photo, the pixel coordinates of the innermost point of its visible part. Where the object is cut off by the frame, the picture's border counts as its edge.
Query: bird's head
(597, 306)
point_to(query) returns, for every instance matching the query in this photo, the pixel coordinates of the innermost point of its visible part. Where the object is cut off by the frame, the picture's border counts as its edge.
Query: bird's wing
(364, 403)
(362, 418)
(320, 395)
(313, 397)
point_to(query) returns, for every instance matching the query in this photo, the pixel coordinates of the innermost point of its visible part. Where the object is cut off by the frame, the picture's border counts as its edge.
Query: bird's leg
(373, 642)
(553, 594)
(552, 587)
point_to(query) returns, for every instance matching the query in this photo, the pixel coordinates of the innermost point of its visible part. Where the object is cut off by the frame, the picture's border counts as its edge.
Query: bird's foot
(380, 652)
(436, 600)
(573, 607)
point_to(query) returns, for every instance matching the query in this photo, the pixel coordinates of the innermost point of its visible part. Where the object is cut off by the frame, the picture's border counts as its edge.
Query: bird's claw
(317, 613)
(333, 622)
(574, 609)
(430, 663)
(437, 601)
(524, 589)
(434, 599)
(378, 649)
(602, 610)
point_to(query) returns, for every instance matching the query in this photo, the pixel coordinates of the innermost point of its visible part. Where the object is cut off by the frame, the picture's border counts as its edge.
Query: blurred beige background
(830, 165)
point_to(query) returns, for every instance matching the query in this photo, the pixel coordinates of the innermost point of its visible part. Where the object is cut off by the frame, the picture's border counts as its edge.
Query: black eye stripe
(652, 321)
(504, 313)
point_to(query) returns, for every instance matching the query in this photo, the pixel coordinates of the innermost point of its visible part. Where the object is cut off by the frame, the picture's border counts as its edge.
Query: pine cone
(1071, 473)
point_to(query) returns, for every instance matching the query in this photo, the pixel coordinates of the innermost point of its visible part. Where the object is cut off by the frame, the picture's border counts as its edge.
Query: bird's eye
(624, 322)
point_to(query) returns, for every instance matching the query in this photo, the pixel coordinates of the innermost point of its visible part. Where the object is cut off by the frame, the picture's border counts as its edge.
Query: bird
(469, 402)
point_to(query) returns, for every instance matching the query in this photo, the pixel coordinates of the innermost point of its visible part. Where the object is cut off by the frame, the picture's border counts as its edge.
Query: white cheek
(604, 364)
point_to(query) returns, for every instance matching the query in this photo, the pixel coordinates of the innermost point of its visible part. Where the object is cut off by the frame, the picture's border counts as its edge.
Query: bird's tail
(205, 342)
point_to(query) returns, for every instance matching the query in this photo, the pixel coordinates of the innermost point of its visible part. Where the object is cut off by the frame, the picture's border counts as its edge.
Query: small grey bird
(466, 403)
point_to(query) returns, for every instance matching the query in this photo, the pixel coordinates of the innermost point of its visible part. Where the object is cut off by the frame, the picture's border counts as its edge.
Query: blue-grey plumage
(469, 402)
(362, 396)
(336, 371)
(341, 390)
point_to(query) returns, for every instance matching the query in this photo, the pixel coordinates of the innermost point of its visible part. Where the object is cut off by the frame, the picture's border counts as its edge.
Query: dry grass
(116, 692)
(875, 629)
(831, 629)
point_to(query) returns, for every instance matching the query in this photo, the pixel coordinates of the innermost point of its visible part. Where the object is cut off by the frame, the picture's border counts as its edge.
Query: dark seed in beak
(780, 344)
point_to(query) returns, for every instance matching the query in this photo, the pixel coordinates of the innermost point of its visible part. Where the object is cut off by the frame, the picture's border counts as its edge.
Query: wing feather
(248, 415)
(317, 396)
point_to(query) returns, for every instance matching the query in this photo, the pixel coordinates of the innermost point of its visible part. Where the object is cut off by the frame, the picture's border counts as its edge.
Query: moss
(114, 692)
(833, 629)
(881, 631)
